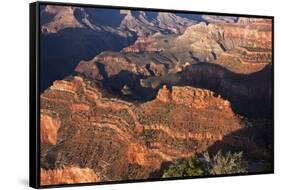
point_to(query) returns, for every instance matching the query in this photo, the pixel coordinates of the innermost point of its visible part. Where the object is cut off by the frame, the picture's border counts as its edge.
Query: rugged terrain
(64, 30)
(122, 98)
(225, 58)
(118, 140)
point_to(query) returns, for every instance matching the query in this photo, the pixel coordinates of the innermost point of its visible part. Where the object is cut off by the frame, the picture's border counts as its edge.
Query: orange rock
(63, 86)
(68, 175)
(192, 97)
(76, 107)
(49, 127)
(164, 94)
(136, 154)
(120, 134)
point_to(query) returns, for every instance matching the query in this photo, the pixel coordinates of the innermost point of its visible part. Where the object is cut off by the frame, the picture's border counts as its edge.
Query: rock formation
(63, 17)
(110, 139)
(144, 44)
(193, 98)
(49, 128)
(219, 19)
(124, 22)
(245, 60)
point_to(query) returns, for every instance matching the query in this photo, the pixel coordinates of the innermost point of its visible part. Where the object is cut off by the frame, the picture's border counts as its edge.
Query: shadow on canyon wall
(61, 52)
(250, 95)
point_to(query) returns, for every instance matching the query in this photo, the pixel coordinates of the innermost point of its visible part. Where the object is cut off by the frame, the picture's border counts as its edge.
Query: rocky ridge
(193, 98)
(231, 45)
(245, 60)
(125, 23)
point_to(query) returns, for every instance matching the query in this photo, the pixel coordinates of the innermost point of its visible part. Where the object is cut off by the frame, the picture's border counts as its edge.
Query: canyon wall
(119, 140)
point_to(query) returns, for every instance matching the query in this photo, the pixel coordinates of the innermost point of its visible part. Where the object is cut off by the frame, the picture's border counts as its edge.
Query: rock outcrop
(144, 44)
(148, 23)
(107, 65)
(218, 37)
(219, 19)
(246, 35)
(124, 22)
(63, 17)
(245, 60)
(193, 98)
(68, 175)
(50, 125)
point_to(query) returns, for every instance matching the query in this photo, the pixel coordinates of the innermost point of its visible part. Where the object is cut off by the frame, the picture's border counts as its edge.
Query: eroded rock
(120, 140)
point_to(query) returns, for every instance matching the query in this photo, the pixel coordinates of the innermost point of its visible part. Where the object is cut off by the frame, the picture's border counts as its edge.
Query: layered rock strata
(110, 139)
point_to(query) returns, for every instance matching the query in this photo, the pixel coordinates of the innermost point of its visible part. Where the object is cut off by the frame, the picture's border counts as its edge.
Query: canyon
(64, 30)
(124, 92)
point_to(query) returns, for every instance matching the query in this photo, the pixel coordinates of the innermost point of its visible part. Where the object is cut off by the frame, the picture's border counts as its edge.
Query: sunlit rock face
(49, 128)
(193, 98)
(102, 134)
(68, 175)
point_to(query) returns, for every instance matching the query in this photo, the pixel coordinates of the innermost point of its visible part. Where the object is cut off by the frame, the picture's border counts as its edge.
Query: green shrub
(184, 168)
(203, 164)
(230, 163)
